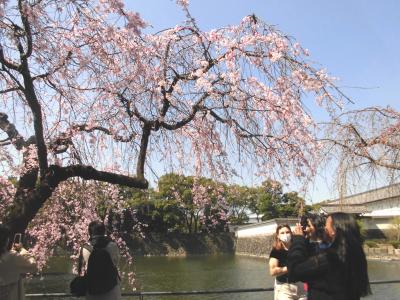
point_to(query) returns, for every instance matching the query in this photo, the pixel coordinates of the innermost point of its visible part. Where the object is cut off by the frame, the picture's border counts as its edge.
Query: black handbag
(78, 286)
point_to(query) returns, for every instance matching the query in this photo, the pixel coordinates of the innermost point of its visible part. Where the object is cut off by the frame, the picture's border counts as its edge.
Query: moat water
(206, 273)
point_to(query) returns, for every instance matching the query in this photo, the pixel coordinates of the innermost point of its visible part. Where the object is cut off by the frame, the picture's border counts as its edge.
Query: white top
(12, 266)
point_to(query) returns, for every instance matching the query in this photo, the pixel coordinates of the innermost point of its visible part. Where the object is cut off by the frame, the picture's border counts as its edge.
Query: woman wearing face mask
(284, 289)
(338, 272)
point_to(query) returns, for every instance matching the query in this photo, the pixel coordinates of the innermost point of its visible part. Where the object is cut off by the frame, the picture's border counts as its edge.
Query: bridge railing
(141, 294)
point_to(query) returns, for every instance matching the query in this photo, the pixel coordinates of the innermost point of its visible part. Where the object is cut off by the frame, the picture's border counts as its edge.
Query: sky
(356, 41)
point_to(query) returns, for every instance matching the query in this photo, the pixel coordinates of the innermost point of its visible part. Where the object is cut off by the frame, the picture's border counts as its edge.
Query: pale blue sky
(356, 40)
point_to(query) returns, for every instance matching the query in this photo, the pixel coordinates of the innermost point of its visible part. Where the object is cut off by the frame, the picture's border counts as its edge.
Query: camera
(17, 238)
(304, 222)
(17, 242)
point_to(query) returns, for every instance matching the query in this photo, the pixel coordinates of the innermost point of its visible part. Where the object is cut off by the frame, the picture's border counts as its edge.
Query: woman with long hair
(283, 289)
(340, 271)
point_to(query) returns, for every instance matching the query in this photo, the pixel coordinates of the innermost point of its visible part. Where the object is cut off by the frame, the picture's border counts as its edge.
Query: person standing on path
(97, 278)
(13, 265)
(283, 288)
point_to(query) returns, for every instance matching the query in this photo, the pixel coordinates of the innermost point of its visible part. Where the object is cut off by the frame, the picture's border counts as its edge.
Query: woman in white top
(13, 265)
(99, 239)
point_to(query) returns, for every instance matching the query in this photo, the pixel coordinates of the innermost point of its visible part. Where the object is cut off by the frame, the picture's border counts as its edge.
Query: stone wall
(182, 244)
(254, 246)
(382, 250)
(260, 246)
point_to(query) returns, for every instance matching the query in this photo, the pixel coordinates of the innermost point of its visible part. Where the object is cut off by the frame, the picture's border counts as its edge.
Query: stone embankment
(182, 244)
(382, 251)
(260, 246)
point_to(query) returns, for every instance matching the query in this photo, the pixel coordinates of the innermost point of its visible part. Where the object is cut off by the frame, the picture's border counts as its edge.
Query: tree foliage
(84, 94)
(238, 200)
(366, 145)
(172, 206)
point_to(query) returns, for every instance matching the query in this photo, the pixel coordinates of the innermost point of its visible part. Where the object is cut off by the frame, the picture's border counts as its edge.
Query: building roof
(386, 192)
(277, 221)
(350, 209)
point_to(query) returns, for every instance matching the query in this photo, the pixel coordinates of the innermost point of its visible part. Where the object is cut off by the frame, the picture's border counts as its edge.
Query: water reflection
(207, 273)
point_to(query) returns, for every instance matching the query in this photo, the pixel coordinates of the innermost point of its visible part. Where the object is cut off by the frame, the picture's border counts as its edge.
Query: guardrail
(141, 295)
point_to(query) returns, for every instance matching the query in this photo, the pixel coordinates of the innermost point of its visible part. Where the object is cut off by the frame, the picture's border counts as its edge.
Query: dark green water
(208, 273)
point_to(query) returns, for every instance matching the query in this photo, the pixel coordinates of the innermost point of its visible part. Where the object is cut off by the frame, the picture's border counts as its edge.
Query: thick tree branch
(135, 112)
(9, 90)
(146, 131)
(36, 109)
(27, 29)
(195, 108)
(28, 202)
(90, 173)
(246, 134)
(15, 138)
(5, 62)
(358, 135)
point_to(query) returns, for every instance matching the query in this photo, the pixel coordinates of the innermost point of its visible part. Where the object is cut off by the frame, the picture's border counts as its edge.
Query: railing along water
(141, 295)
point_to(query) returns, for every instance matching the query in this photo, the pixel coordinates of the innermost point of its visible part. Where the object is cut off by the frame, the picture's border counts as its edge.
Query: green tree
(238, 199)
(200, 201)
(269, 201)
(176, 190)
(269, 195)
(290, 205)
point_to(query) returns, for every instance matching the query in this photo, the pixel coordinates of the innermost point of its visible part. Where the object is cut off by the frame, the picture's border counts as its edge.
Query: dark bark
(12, 133)
(37, 117)
(143, 150)
(28, 201)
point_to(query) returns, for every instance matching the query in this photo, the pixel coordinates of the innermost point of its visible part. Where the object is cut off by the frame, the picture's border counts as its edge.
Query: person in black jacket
(336, 273)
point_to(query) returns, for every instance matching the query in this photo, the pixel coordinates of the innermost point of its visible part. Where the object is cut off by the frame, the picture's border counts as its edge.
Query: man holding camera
(13, 264)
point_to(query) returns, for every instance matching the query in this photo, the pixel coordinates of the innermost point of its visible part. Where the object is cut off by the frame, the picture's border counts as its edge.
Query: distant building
(253, 218)
(266, 228)
(375, 207)
(256, 239)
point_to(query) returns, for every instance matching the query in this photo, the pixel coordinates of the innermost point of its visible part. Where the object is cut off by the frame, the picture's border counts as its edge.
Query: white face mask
(286, 238)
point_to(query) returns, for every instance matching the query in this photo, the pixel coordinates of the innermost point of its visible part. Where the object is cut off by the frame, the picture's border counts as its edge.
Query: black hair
(317, 220)
(303, 221)
(348, 247)
(4, 238)
(97, 228)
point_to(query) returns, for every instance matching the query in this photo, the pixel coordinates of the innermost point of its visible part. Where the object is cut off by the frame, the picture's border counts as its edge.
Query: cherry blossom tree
(365, 143)
(202, 202)
(50, 105)
(84, 94)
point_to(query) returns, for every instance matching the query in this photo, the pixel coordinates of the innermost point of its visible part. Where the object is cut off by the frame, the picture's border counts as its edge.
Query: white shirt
(12, 266)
